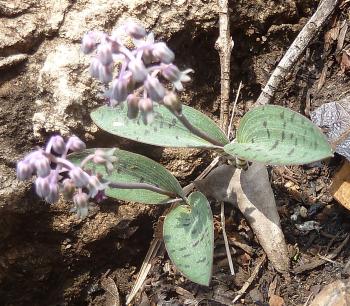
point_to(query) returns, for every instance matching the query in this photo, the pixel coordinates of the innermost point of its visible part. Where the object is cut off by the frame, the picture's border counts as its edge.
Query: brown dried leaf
(252, 191)
(345, 61)
(276, 300)
(112, 293)
(331, 35)
(218, 184)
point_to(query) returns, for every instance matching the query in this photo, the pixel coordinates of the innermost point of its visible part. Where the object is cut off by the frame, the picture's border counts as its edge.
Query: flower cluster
(55, 173)
(141, 68)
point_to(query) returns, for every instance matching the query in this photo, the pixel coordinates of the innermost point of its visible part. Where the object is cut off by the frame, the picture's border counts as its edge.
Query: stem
(195, 130)
(59, 161)
(146, 186)
(224, 45)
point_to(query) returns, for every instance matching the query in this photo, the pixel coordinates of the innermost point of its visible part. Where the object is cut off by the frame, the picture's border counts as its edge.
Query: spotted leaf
(276, 135)
(165, 130)
(134, 168)
(189, 238)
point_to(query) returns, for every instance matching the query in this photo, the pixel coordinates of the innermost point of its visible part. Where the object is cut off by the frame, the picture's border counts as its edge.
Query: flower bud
(154, 89)
(135, 30)
(171, 100)
(42, 187)
(75, 144)
(42, 166)
(52, 197)
(105, 158)
(171, 72)
(81, 202)
(88, 43)
(133, 106)
(122, 86)
(24, 170)
(58, 144)
(163, 53)
(95, 186)
(95, 67)
(106, 154)
(105, 73)
(138, 70)
(104, 53)
(146, 108)
(79, 177)
(68, 189)
(147, 56)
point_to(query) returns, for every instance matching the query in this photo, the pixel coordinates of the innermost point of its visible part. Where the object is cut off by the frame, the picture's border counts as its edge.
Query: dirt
(48, 257)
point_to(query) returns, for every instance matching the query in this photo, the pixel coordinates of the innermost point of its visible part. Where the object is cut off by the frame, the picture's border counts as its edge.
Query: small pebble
(303, 212)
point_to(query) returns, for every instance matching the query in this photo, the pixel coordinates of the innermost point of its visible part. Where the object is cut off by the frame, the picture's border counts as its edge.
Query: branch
(296, 50)
(224, 45)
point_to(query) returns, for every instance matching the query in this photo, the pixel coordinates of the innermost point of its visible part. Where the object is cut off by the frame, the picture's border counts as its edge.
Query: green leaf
(134, 168)
(165, 130)
(276, 135)
(189, 238)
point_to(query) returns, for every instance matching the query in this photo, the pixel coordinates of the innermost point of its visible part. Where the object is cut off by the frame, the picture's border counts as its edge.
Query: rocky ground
(48, 257)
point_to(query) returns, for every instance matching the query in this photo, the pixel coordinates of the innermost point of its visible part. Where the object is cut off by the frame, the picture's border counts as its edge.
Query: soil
(48, 257)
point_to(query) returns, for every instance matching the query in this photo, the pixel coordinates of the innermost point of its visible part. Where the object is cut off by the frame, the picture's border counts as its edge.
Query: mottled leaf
(135, 168)
(276, 135)
(334, 119)
(165, 130)
(189, 238)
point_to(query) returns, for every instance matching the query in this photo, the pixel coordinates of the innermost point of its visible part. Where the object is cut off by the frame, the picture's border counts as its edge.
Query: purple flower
(174, 75)
(134, 30)
(95, 186)
(24, 170)
(146, 108)
(53, 194)
(79, 177)
(104, 54)
(138, 70)
(88, 43)
(52, 169)
(81, 204)
(163, 53)
(42, 187)
(75, 144)
(154, 89)
(41, 164)
(106, 158)
(121, 87)
(58, 144)
(105, 73)
(171, 100)
(133, 106)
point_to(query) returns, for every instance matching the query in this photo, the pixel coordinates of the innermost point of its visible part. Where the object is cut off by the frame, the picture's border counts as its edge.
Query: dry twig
(227, 246)
(224, 45)
(233, 110)
(318, 262)
(250, 279)
(296, 50)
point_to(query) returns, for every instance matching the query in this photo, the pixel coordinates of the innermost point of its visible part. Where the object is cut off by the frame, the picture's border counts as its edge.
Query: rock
(12, 60)
(27, 22)
(164, 17)
(66, 90)
(334, 294)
